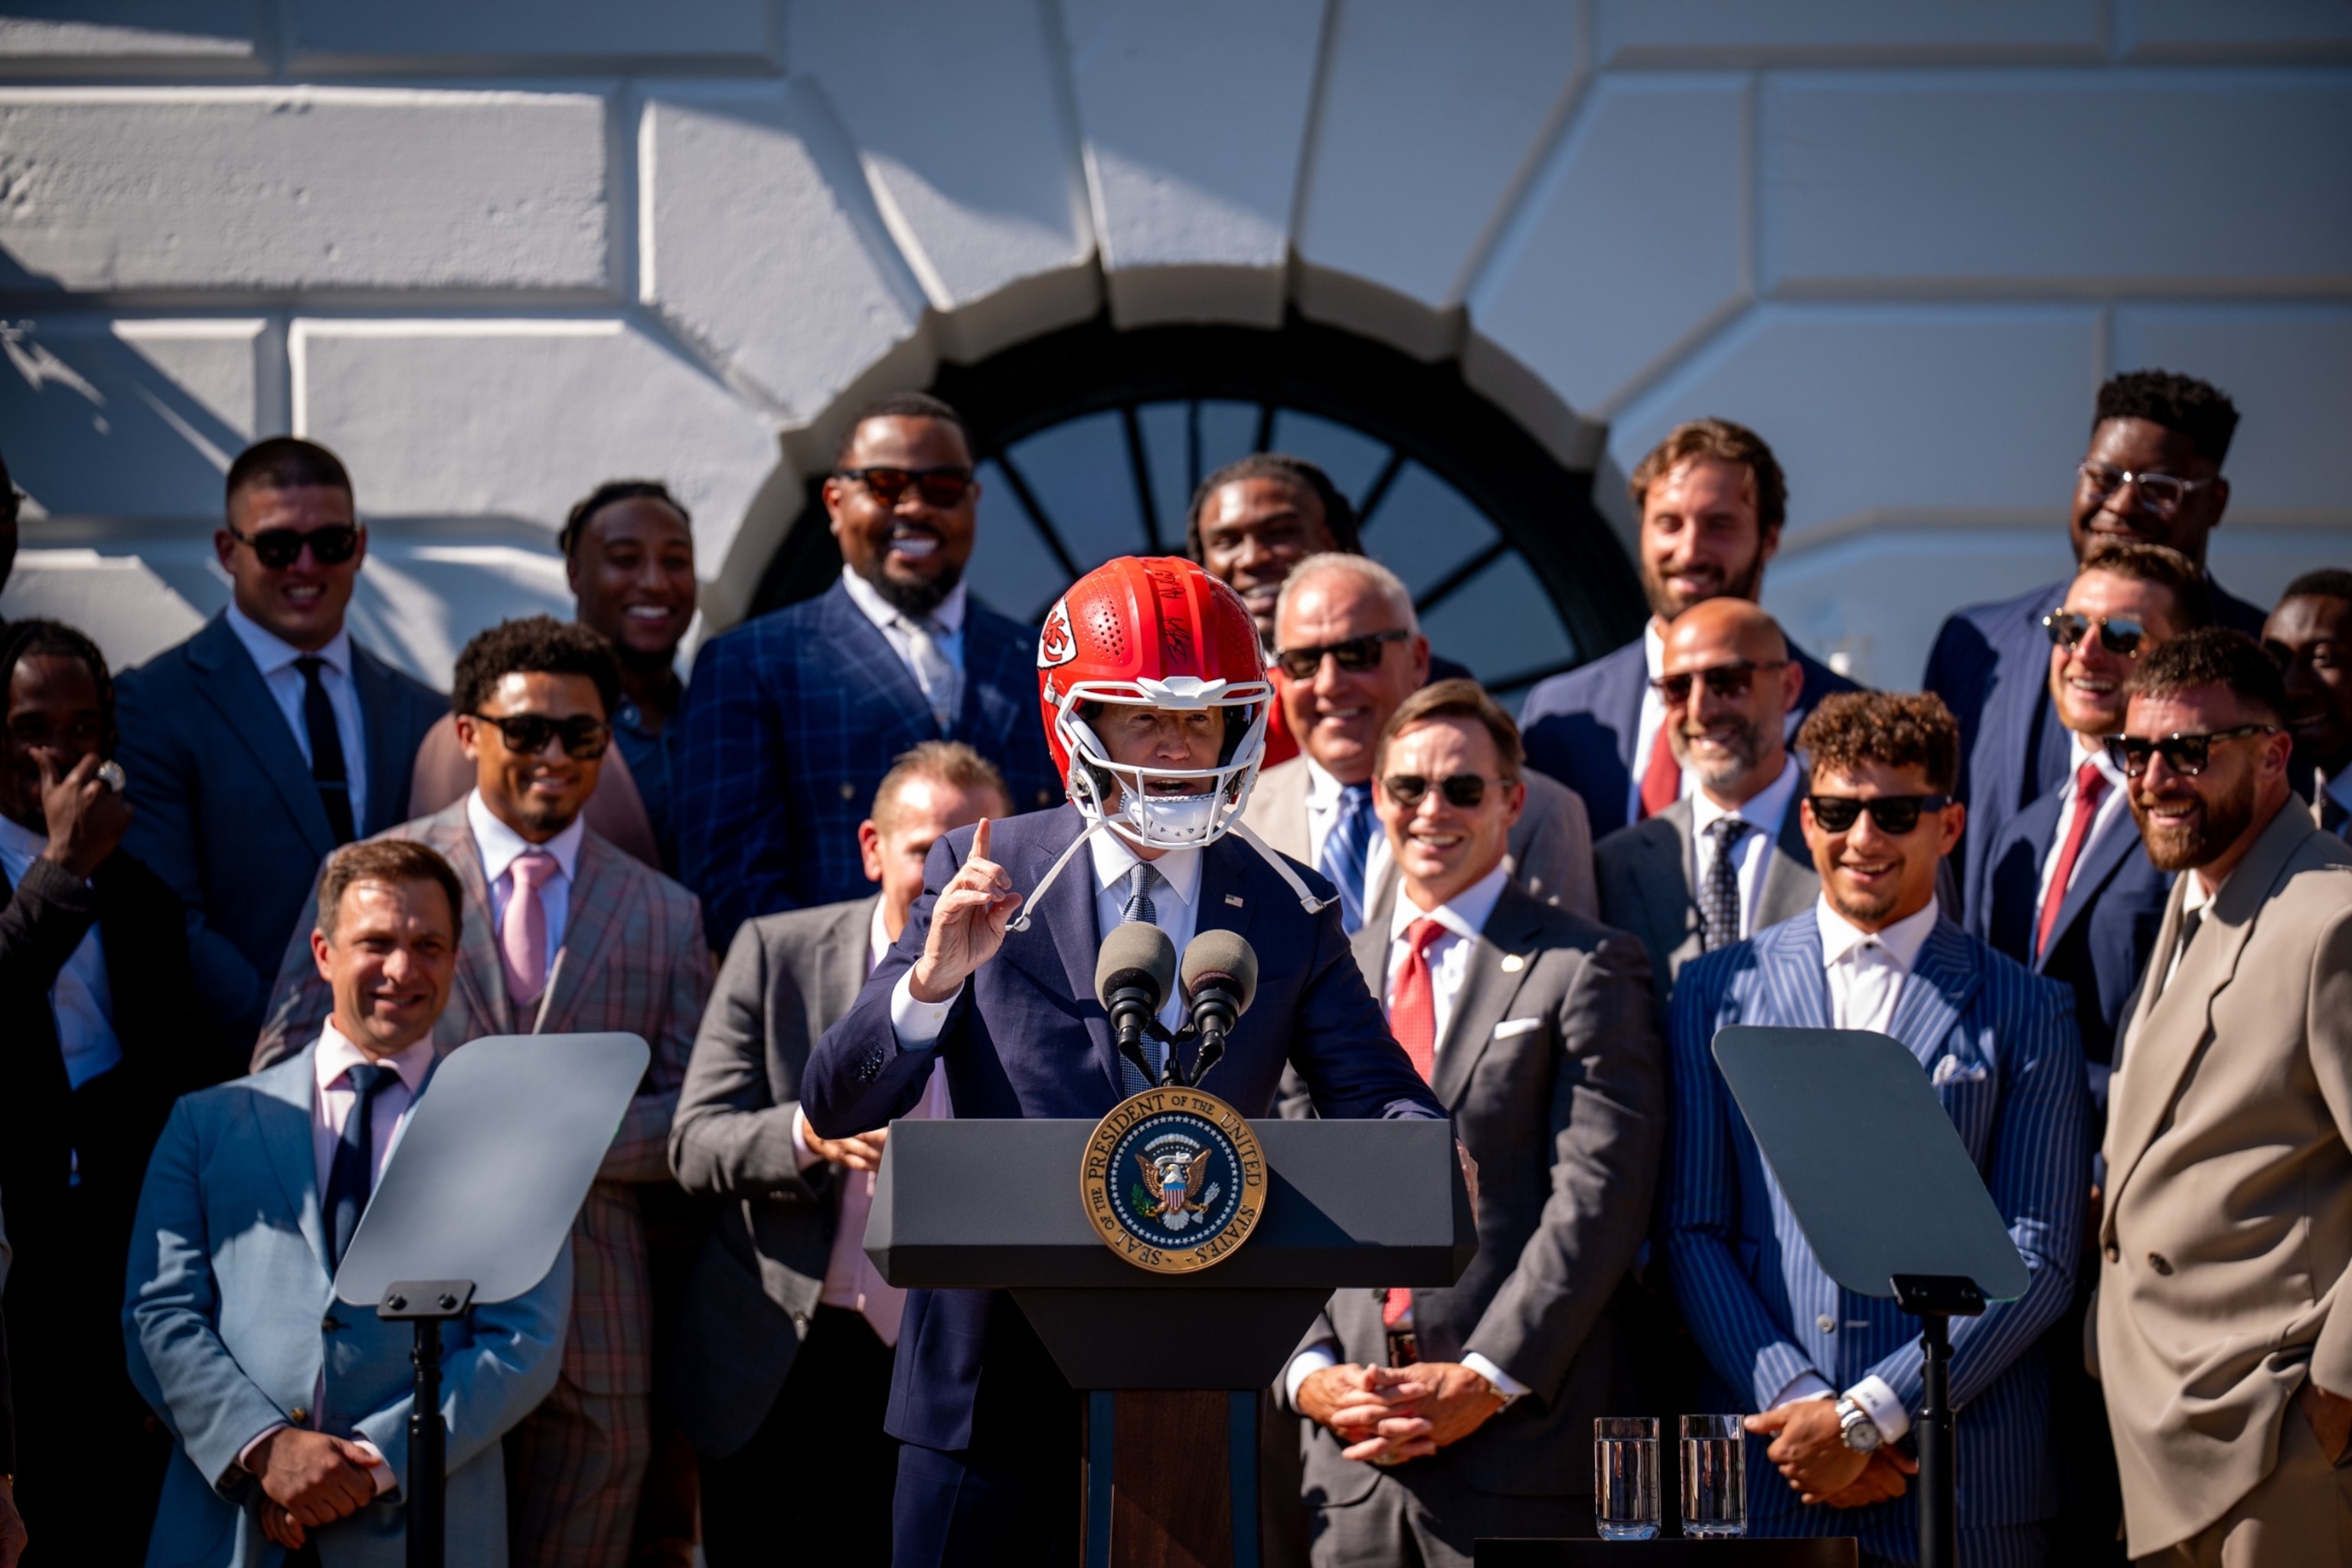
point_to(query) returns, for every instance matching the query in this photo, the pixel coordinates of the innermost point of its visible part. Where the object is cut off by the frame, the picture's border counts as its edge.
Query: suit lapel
(387, 767)
(1488, 988)
(235, 689)
(1790, 883)
(481, 976)
(881, 688)
(1937, 992)
(2021, 717)
(293, 1156)
(1059, 948)
(995, 681)
(841, 963)
(592, 923)
(1225, 868)
(1670, 885)
(2099, 864)
(1788, 961)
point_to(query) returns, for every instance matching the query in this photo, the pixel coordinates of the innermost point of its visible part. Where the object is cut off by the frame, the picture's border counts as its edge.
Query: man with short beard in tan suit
(2227, 1223)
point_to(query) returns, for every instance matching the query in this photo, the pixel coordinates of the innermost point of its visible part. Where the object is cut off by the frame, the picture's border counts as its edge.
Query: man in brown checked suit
(2223, 1344)
(563, 933)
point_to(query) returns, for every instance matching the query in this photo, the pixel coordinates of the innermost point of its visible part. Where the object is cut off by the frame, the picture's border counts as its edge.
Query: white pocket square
(1949, 1070)
(1511, 1027)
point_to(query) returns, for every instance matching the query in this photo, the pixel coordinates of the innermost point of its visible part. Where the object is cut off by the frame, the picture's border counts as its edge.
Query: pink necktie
(522, 935)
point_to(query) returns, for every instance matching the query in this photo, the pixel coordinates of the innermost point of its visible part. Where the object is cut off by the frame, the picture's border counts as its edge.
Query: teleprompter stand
(474, 1205)
(1171, 1364)
(1826, 1105)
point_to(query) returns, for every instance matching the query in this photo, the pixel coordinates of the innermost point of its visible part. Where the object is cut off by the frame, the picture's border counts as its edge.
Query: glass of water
(1625, 1476)
(1715, 1475)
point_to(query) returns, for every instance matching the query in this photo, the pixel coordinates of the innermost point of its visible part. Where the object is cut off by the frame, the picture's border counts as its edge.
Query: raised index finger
(980, 841)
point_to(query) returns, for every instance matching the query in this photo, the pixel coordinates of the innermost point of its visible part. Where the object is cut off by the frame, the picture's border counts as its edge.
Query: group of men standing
(2081, 879)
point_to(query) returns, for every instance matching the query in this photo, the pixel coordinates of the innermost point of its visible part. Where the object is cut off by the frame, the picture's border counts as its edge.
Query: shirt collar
(877, 940)
(2198, 896)
(1841, 937)
(1465, 914)
(883, 612)
(1761, 811)
(2094, 748)
(272, 653)
(337, 1056)
(1115, 860)
(1653, 648)
(499, 845)
(1323, 789)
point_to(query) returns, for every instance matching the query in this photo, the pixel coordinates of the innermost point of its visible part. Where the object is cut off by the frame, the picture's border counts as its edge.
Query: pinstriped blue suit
(1755, 1296)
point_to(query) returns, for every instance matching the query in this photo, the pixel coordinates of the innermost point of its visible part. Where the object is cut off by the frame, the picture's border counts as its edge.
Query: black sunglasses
(1893, 815)
(2186, 754)
(1464, 791)
(942, 486)
(585, 736)
(2119, 635)
(279, 548)
(1722, 680)
(1355, 655)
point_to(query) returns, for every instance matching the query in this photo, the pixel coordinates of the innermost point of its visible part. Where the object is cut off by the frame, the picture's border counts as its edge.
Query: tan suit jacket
(1549, 852)
(2228, 1221)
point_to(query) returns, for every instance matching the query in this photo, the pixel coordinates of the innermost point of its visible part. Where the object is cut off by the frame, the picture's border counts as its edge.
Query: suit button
(849, 790)
(2161, 1264)
(1826, 1323)
(329, 1323)
(2115, 1253)
(298, 1416)
(800, 1322)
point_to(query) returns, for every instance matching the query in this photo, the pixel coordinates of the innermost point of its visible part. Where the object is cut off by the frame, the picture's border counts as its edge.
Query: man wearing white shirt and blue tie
(1438, 1416)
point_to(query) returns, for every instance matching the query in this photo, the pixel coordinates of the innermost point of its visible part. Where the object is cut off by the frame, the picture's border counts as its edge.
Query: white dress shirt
(274, 658)
(890, 621)
(81, 1003)
(1323, 814)
(1765, 811)
(500, 846)
(2114, 802)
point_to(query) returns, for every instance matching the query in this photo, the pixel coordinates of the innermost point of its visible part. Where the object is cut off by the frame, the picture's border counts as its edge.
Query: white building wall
(492, 253)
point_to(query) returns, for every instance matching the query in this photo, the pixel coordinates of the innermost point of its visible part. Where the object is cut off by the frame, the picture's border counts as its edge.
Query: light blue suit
(1755, 1296)
(230, 1320)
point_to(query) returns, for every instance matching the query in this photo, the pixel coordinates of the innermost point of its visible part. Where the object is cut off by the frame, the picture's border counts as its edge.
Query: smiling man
(792, 719)
(2309, 637)
(567, 935)
(1833, 1378)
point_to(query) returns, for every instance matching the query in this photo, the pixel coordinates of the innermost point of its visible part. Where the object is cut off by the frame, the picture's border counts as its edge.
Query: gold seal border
(1095, 1193)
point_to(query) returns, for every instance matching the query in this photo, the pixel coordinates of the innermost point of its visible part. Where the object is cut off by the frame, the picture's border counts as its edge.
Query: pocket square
(1950, 1069)
(1511, 1027)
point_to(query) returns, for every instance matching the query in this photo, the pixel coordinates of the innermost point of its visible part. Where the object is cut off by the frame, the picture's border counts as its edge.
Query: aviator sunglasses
(2184, 755)
(942, 486)
(2119, 635)
(584, 735)
(1462, 791)
(1727, 681)
(279, 548)
(1355, 655)
(1893, 815)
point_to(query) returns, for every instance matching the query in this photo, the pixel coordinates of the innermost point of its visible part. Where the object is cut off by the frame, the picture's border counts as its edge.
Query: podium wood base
(1171, 1478)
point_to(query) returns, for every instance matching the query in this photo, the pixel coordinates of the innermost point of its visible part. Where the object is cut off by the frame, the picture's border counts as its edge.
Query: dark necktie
(327, 769)
(353, 1173)
(1139, 907)
(1719, 908)
(1347, 851)
(2190, 921)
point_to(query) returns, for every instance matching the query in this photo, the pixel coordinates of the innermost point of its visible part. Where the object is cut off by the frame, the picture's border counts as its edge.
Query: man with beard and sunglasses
(791, 719)
(2226, 1222)
(255, 747)
(1712, 499)
(563, 933)
(1781, 1337)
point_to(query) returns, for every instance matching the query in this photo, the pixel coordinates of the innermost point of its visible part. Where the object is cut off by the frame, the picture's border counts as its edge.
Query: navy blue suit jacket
(1027, 1039)
(790, 722)
(224, 807)
(1580, 727)
(2106, 926)
(1991, 666)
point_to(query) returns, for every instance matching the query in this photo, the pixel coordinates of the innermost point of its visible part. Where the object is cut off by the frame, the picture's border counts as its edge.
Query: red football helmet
(1158, 632)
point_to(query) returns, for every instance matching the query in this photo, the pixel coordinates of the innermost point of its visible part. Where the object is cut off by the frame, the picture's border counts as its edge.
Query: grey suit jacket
(1646, 872)
(787, 978)
(1552, 1068)
(1549, 852)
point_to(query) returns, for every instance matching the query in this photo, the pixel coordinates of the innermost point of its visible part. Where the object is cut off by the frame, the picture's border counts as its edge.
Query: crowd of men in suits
(855, 869)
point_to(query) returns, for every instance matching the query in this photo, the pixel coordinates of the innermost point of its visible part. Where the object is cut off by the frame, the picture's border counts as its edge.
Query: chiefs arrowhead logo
(1054, 643)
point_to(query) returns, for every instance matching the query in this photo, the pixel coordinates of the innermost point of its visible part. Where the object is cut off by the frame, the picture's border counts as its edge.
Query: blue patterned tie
(1139, 907)
(354, 1172)
(1347, 849)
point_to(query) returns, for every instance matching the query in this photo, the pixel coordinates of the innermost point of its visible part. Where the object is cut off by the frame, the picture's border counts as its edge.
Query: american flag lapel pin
(1234, 900)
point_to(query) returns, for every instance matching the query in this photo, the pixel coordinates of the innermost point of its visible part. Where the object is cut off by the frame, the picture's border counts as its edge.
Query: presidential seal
(1173, 1180)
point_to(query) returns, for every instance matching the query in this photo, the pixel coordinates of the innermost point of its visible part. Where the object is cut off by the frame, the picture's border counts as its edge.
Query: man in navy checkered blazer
(791, 719)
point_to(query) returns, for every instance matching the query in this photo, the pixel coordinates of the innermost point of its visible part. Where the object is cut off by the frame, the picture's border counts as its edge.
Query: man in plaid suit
(792, 719)
(563, 933)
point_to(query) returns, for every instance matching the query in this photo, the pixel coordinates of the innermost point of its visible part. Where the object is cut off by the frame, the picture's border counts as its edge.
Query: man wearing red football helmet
(1156, 702)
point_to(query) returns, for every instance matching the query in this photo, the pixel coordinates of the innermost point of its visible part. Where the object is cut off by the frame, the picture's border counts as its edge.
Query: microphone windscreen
(1135, 953)
(1226, 955)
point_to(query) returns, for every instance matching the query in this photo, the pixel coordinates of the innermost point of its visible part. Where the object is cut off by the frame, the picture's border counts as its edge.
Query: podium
(1171, 1364)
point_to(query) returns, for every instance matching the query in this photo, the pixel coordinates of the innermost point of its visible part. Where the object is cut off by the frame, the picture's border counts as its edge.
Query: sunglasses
(2119, 635)
(1893, 815)
(1722, 680)
(2184, 755)
(1463, 790)
(942, 486)
(279, 548)
(1355, 655)
(2157, 493)
(585, 736)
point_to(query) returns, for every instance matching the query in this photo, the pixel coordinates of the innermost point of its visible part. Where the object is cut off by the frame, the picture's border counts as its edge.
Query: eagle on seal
(1177, 1181)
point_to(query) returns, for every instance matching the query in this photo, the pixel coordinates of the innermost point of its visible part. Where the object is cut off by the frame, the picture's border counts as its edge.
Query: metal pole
(428, 1462)
(1938, 1527)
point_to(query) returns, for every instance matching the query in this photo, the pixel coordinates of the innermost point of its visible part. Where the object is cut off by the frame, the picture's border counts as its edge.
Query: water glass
(1715, 1475)
(1625, 1476)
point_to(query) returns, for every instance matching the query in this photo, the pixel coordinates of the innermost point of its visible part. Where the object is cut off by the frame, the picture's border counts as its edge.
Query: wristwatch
(1860, 1433)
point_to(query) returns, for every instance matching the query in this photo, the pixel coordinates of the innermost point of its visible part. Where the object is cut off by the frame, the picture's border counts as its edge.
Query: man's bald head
(1729, 663)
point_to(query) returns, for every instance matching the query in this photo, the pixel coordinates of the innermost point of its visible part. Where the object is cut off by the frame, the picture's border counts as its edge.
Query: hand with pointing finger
(968, 923)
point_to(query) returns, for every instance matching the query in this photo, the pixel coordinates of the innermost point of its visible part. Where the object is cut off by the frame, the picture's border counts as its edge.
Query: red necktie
(1662, 781)
(1413, 1001)
(2090, 784)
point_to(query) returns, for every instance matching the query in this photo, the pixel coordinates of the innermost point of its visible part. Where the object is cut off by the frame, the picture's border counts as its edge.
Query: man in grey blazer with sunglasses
(1438, 1416)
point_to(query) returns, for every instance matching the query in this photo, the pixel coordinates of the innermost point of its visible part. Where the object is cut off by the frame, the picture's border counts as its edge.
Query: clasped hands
(1389, 1414)
(309, 1479)
(1809, 1451)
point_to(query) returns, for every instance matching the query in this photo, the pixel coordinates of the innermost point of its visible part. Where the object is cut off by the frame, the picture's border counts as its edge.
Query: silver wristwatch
(1855, 1427)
